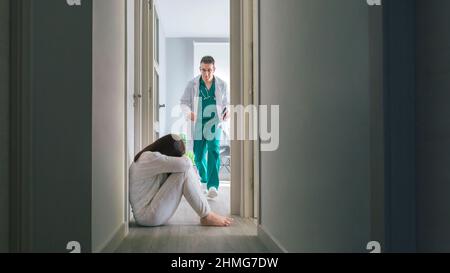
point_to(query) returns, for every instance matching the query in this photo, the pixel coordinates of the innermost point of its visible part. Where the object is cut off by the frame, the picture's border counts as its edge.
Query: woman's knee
(177, 178)
(192, 174)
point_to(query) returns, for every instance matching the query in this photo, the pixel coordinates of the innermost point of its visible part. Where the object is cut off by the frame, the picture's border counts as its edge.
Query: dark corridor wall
(399, 125)
(417, 99)
(315, 66)
(57, 53)
(433, 125)
(4, 125)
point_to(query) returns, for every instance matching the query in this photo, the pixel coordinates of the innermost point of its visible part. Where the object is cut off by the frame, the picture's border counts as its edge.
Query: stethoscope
(203, 94)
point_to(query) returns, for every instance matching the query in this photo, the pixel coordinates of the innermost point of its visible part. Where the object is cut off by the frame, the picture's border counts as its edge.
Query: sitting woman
(159, 176)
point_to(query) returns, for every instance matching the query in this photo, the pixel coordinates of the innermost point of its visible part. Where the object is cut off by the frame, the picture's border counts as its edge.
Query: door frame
(138, 133)
(245, 67)
(256, 100)
(143, 95)
(147, 78)
(155, 85)
(149, 96)
(136, 112)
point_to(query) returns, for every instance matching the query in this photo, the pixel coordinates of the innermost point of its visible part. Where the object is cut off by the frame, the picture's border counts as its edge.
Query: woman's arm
(160, 164)
(174, 164)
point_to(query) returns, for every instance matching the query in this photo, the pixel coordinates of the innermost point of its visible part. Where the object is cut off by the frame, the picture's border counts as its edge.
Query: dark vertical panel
(399, 98)
(4, 125)
(376, 124)
(20, 132)
(433, 125)
(61, 66)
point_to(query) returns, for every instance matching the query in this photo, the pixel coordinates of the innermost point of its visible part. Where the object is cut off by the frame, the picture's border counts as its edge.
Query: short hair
(208, 60)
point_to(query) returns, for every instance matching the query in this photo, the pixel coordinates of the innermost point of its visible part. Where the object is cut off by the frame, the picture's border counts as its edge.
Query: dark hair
(170, 145)
(208, 60)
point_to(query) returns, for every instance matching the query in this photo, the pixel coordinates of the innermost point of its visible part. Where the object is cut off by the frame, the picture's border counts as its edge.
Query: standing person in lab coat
(205, 103)
(159, 176)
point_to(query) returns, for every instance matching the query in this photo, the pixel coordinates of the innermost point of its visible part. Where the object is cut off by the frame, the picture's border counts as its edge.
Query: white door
(138, 90)
(159, 109)
(150, 73)
(134, 91)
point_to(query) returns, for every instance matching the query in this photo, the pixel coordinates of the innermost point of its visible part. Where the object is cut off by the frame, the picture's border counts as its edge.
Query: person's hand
(226, 116)
(192, 116)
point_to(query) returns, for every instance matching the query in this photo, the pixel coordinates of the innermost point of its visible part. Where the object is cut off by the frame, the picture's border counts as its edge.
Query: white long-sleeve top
(148, 174)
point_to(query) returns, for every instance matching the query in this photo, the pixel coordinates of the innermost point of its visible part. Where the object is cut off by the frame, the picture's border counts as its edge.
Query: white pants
(168, 198)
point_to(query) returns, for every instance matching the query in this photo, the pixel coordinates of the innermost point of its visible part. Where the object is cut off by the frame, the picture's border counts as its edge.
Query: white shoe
(212, 193)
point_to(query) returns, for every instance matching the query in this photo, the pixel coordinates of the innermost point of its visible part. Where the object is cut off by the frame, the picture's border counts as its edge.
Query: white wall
(108, 139)
(314, 64)
(195, 18)
(4, 125)
(221, 54)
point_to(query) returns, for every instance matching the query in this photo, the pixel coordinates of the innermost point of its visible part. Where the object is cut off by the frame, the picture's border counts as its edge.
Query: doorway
(164, 60)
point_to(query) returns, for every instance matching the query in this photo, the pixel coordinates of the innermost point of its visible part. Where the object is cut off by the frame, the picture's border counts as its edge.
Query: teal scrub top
(208, 98)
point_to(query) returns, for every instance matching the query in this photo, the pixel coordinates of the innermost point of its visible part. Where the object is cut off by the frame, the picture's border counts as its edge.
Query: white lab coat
(191, 98)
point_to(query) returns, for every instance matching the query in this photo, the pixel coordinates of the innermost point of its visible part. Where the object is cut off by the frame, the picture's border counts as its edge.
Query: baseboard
(269, 241)
(115, 240)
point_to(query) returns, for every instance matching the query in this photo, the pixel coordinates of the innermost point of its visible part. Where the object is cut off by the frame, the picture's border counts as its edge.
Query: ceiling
(194, 18)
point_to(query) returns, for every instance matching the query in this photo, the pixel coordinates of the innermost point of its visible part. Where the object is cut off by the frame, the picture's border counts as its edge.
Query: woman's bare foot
(216, 220)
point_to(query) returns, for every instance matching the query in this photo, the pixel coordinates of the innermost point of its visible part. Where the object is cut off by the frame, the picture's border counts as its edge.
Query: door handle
(138, 96)
(162, 106)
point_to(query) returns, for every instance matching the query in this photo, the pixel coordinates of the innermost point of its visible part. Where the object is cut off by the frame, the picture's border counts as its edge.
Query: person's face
(207, 71)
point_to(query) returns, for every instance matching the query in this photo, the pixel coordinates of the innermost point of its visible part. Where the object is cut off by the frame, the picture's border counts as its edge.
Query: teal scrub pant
(207, 159)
